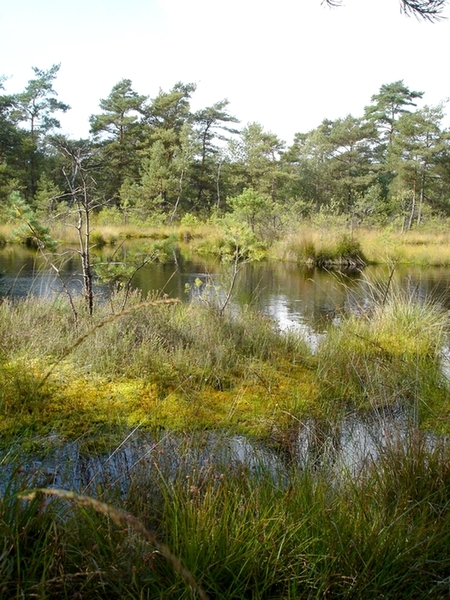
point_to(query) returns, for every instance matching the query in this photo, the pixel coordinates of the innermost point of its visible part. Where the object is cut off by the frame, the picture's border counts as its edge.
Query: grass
(169, 365)
(389, 353)
(234, 521)
(240, 527)
(111, 234)
(309, 244)
(104, 233)
(316, 242)
(178, 366)
(313, 244)
(321, 248)
(425, 247)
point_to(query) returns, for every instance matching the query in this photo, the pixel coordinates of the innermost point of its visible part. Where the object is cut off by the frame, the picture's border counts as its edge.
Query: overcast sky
(286, 64)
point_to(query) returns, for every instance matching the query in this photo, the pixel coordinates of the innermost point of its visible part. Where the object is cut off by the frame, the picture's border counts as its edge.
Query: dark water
(294, 296)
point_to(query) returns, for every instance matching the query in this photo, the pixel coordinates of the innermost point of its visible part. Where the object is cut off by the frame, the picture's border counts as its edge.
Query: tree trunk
(413, 206)
(422, 198)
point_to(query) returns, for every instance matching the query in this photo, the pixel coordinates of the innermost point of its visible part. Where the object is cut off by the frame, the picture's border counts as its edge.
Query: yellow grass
(425, 246)
(380, 246)
(413, 247)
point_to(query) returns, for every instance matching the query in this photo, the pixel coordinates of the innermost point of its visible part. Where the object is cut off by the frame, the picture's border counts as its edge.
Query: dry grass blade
(120, 517)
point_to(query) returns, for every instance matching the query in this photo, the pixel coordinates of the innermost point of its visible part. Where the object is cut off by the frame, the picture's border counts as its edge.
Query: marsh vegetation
(223, 437)
(158, 448)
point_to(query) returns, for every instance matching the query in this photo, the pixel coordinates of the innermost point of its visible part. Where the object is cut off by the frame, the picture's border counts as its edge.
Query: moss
(185, 368)
(74, 403)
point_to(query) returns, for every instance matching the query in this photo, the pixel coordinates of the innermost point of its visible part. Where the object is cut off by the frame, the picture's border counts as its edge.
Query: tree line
(155, 160)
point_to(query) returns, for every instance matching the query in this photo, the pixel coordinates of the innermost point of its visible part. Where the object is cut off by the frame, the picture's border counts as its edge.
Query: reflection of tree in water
(318, 443)
(310, 297)
(313, 443)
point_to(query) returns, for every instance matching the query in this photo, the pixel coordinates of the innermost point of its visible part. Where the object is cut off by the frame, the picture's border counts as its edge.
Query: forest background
(154, 160)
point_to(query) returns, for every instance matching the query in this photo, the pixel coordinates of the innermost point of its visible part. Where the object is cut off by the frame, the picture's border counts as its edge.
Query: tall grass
(313, 244)
(261, 525)
(321, 247)
(111, 233)
(430, 246)
(242, 529)
(389, 353)
(6, 233)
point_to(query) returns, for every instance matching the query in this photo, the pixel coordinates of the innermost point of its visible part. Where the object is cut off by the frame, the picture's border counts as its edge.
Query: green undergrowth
(166, 365)
(389, 353)
(236, 529)
(197, 520)
(182, 366)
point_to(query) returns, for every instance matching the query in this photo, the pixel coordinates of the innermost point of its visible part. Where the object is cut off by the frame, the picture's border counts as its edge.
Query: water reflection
(296, 297)
(347, 446)
(352, 442)
(25, 272)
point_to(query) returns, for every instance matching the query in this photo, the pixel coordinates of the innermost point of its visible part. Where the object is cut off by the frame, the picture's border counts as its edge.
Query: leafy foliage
(154, 160)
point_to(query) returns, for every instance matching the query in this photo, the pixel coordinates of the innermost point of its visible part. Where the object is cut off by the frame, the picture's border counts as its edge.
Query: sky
(286, 64)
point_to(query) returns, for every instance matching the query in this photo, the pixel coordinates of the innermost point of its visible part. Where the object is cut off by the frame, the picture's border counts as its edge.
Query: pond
(295, 296)
(349, 446)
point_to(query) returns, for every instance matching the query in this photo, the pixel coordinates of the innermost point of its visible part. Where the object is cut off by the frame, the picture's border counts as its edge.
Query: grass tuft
(241, 526)
(389, 353)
